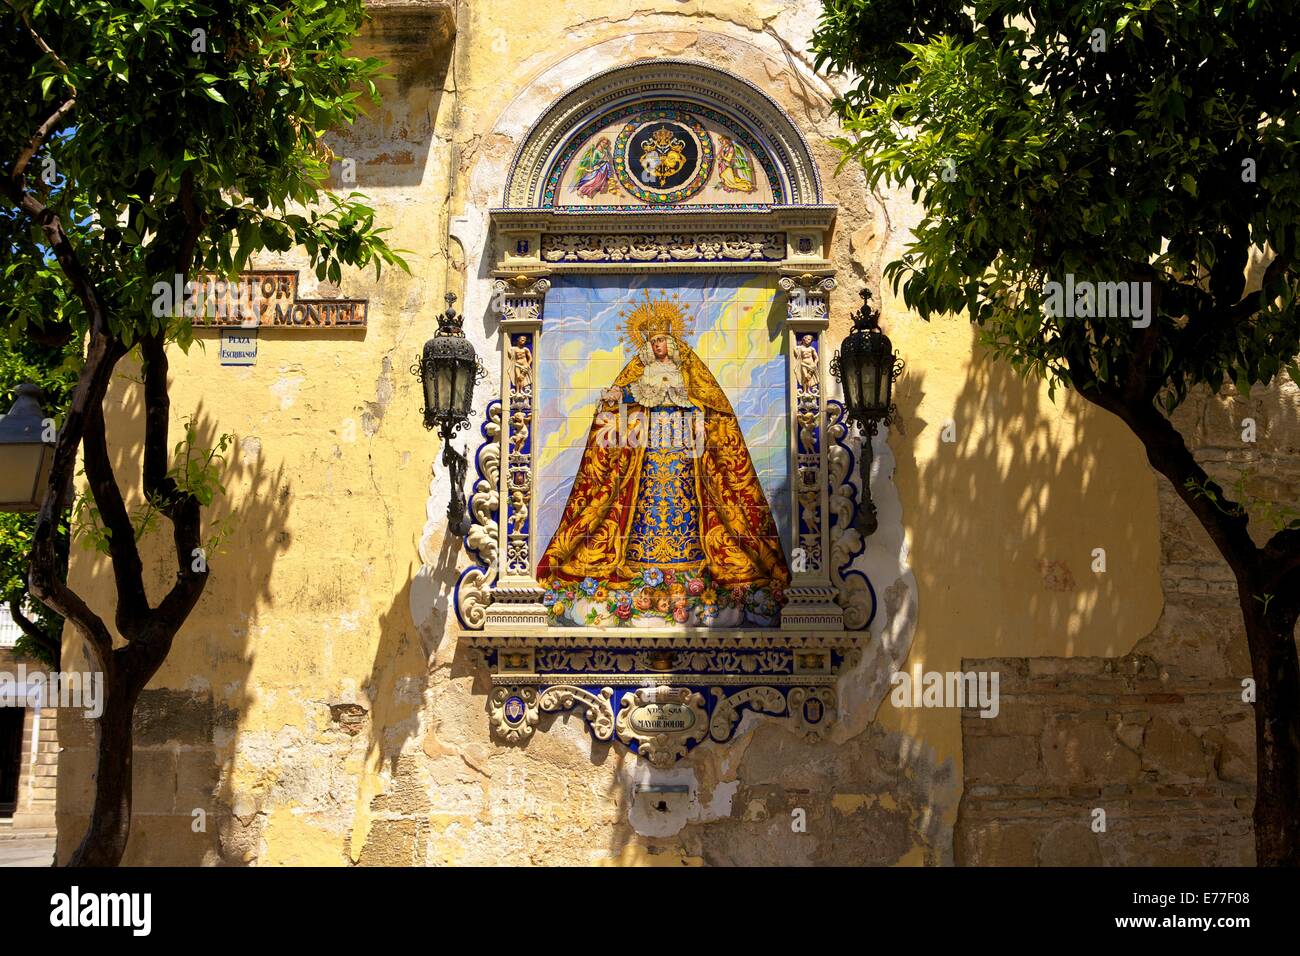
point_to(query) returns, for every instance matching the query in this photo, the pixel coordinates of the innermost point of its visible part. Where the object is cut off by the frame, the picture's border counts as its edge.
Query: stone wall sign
(266, 298)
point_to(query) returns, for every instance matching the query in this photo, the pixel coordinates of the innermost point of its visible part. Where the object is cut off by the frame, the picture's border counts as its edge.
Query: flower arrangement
(661, 596)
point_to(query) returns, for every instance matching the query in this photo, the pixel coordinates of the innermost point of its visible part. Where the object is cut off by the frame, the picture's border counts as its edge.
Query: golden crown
(662, 140)
(664, 315)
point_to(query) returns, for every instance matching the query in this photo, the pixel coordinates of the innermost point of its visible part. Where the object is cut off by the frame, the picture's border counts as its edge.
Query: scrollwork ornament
(726, 710)
(513, 713)
(846, 541)
(597, 709)
(473, 592)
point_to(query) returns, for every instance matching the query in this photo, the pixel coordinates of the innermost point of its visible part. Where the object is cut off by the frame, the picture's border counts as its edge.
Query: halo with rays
(664, 314)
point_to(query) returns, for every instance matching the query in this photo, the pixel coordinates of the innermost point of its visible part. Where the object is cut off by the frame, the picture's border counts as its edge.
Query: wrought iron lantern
(448, 369)
(25, 457)
(866, 366)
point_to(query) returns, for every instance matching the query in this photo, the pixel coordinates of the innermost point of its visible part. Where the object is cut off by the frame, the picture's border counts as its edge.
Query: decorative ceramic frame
(663, 691)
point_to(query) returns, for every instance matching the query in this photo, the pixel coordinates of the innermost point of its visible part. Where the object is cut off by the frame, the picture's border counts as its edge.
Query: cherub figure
(518, 432)
(518, 511)
(808, 432)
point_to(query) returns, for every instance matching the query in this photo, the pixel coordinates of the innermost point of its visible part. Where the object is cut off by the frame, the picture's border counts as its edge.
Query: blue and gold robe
(636, 507)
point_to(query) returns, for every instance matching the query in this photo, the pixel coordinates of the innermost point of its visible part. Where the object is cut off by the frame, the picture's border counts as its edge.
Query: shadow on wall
(1097, 756)
(390, 825)
(1011, 491)
(183, 737)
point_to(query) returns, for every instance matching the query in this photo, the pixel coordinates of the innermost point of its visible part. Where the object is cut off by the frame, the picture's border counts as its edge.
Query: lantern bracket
(449, 346)
(867, 344)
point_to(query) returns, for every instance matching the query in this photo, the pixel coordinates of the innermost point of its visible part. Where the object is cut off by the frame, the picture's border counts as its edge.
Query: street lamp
(448, 370)
(866, 366)
(25, 458)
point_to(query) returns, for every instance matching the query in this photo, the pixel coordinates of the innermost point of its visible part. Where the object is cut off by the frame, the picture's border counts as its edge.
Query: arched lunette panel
(547, 148)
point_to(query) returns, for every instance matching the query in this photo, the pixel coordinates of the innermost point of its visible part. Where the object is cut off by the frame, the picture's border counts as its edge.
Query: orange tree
(1095, 176)
(145, 142)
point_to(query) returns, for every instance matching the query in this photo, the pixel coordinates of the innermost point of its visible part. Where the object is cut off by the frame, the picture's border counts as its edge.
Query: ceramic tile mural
(662, 153)
(662, 462)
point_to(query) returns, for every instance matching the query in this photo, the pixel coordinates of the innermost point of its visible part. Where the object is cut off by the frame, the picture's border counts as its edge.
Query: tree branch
(1281, 557)
(44, 578)
(195, 220)
(1255, 301)
(1141, 386)
(128, 570)
(30, 627)
(181, 508)
(45, 47)
(157, 413)
(1169, 455)
(51, 124)
(102, 354)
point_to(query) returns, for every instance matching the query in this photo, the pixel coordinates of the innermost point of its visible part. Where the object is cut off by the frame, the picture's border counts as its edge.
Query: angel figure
(595, 172)
(735, 170)
(518, 511)
(807, 433)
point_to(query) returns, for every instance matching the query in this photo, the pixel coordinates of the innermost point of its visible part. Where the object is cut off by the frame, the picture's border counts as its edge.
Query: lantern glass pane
(22, 469)
(464, 386)
(430, 391)
(445, 374)
(870, 384)
(849, 377)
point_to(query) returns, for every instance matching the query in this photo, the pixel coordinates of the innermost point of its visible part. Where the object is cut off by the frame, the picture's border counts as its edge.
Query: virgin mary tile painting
(666, 522)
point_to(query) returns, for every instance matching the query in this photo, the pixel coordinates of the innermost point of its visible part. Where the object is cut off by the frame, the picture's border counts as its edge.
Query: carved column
(519, 301)
(810, 599)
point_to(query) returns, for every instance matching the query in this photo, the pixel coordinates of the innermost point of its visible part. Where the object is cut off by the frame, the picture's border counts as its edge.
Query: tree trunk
(110, 819)
(1270, 632)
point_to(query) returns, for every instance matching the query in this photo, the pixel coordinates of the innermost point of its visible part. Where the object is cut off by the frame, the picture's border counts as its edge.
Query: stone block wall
(175, 774)
(38, 779)
(39, 768)
(1160, 739)
(1167, 758)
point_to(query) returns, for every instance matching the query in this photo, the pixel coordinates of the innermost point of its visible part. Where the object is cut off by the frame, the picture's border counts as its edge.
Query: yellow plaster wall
(318, 604)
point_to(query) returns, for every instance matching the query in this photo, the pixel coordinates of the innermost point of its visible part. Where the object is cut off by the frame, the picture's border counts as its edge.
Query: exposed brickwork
(39, 767)
(176, 772)
(1167, 757)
